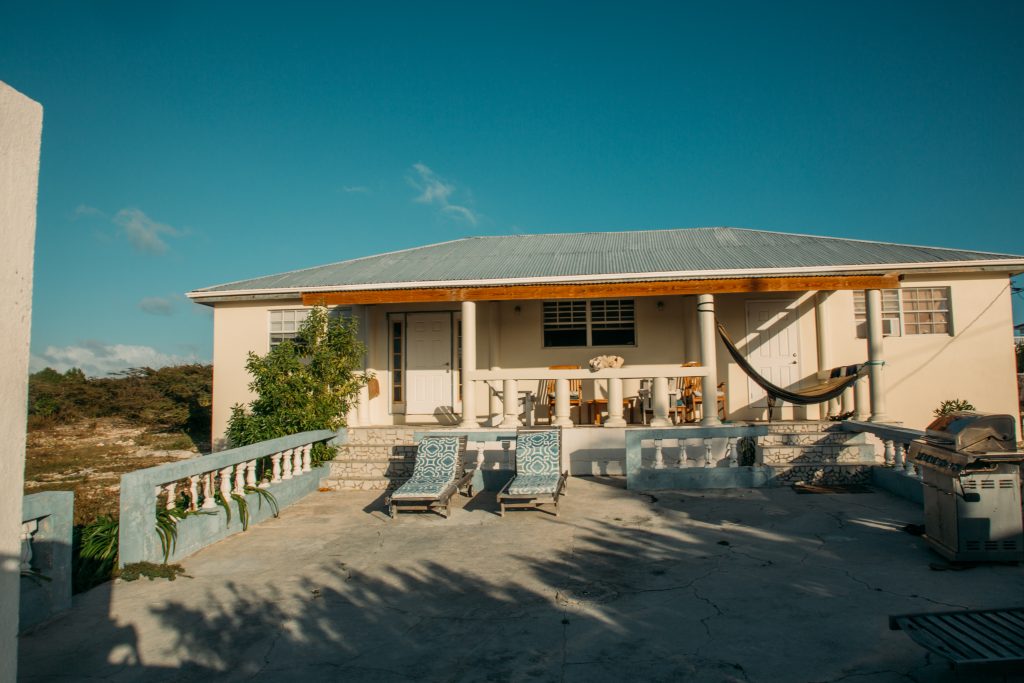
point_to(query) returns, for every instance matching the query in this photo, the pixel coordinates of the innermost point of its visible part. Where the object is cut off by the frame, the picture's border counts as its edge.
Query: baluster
(897, 456)
(507, 447)
(275, 467)
(28, 529)
(890, 453)
(307, 458)
(563, 407)
(193, 492)
(169, 490)
(225, 483)
(480, 454)
(239, 479)
(615, 418)
(908, 465)
(250, 473)
(660, 399)
(510, 399)
(286, 464)
(732, 447)
(296, 462)
(659, 457)
(707, 451)
(208, 492)
(683, 460)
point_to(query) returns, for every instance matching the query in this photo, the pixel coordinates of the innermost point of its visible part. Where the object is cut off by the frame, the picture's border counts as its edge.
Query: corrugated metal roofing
(605, 253)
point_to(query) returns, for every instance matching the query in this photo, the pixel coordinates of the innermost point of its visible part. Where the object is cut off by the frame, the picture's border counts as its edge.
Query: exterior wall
(238, 329)
(21, 127)
(976, 364)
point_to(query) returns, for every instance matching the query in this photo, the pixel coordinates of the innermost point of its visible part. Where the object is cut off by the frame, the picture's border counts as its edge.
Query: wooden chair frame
(575, 387)
(442, 500)
(509, 501)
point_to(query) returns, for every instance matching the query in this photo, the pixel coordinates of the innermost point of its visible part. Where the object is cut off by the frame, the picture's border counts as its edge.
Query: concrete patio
(741, 585)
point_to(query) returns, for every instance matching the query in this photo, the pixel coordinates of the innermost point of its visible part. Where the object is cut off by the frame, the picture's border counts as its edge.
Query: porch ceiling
(598, 290)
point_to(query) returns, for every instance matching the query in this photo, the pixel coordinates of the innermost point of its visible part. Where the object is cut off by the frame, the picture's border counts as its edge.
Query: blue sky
(187, 144)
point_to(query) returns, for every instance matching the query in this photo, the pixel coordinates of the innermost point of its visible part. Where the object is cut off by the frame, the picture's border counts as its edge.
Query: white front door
(772, 346)
(429, 363)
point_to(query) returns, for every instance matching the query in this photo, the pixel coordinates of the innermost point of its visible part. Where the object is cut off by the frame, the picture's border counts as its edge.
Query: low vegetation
(954, 405)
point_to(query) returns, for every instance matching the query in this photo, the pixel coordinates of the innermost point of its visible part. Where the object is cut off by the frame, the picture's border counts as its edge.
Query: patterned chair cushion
(421, 488)
(437, 458)
(529, 484)
(537, 452)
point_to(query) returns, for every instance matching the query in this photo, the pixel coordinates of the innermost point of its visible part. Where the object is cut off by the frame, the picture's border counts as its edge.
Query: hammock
(831, 388)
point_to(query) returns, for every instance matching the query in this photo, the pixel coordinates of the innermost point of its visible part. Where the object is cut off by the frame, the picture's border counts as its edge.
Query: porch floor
(742, 585)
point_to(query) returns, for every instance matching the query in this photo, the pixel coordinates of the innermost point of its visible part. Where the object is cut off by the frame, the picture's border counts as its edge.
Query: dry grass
(89, 457)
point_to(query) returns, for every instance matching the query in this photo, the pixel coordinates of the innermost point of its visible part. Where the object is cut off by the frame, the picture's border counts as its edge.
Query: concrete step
(382, 435)
(386, 467)
(375, 452)
(839, 437)
(365, 483)
(820, 453)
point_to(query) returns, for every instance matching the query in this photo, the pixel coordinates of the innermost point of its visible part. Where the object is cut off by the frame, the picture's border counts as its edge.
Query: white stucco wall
(976, 364)
(21, 125)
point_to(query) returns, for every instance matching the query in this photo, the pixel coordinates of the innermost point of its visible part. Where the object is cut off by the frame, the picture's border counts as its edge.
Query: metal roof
(604, 255)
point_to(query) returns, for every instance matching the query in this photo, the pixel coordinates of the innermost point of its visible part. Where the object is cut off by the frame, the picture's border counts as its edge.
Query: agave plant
(99, 539)
(264, 495)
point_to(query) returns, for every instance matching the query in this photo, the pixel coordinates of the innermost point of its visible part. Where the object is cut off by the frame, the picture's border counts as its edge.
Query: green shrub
(954, 405)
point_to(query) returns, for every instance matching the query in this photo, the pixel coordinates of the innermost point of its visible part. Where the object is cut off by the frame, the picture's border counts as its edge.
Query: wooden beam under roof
(602, 290)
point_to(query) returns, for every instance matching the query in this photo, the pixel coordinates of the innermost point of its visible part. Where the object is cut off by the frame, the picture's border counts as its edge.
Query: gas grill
(970, 467)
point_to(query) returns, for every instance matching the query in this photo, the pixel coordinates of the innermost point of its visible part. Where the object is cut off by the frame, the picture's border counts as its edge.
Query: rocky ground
(90, 456)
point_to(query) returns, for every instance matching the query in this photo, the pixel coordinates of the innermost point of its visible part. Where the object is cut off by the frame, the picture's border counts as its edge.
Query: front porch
(745, 585)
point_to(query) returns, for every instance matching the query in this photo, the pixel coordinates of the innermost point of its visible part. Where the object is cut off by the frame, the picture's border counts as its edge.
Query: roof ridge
(866, 241)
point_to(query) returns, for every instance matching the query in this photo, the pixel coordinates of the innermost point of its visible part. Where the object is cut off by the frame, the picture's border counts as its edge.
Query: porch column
(615, 418)
(510, 396)
(660, 403)
(363, 407)
(494, 337)
(563, 417)
(708, 358)
(468, 365)
(822, 328)
(876, 355)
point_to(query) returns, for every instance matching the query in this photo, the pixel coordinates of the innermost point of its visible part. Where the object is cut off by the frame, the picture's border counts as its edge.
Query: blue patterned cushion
(537, 452)
(421, 488)
(437, 458)
(527, 484)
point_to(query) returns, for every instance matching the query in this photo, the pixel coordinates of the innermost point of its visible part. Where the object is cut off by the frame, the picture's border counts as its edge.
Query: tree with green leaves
(302, 384)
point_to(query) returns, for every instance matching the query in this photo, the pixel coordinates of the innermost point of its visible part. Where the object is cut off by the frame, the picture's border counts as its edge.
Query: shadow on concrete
(661, 587)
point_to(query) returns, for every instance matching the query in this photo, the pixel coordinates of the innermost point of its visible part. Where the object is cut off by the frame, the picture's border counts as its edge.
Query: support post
(495, 407)
(876, 355)
(708, 358)
(615, 418)
(860, 399)
(511, 401)
(822, 328)
(660, 398)
(562, 408)
(469, 365)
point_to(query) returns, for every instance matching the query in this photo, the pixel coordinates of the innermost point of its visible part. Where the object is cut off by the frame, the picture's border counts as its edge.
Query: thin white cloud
(436, 191)
(97, 359)
(355, 189)
(86, 210)
(157, 305)
(144, 233)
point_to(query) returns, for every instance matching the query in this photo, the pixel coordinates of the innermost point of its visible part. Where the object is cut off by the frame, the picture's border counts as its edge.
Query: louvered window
(605, 322)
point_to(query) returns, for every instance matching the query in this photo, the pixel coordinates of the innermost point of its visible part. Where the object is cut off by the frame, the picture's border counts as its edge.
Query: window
(285, 324)
(397, 353)
(911, 310)
(605, 322)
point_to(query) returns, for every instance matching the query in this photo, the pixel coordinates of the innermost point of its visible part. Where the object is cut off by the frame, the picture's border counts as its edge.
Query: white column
(193, 492)
(823, 332)
(495, 408)
(563, 418)
(860, 399)
(615, 418)
(510, 394)
(275, 464)
(209, 492)
(363, 409)
(876, 355)
(659, 390)
(469, 365)
(708, 358)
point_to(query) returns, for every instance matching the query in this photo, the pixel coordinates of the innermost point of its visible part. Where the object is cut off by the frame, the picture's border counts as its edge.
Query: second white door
(429, 363)
(773, 346)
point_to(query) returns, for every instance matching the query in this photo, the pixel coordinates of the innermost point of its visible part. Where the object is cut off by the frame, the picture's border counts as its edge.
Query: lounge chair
(438, 473)
(539, 479)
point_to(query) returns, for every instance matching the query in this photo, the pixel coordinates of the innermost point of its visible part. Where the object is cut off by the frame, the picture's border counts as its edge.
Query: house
(452, 329)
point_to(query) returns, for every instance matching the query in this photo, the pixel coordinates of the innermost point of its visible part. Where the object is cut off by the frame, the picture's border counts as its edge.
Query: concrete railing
(45, 556)
(287, 473)
(895, 442)
(717, 452)
(660, 377)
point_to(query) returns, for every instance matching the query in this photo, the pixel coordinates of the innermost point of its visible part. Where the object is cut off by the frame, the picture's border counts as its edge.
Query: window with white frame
(907, 311)
(285, 324)
(602, 322)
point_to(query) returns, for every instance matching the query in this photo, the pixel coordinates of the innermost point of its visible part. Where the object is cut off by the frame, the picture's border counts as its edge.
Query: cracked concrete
(741, 585)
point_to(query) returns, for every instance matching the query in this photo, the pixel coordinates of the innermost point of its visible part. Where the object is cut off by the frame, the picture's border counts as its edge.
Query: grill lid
(970, 432)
